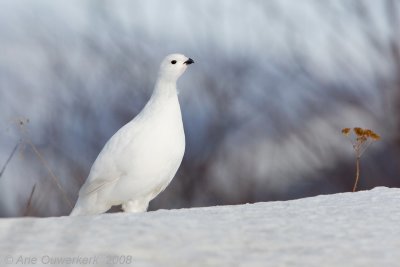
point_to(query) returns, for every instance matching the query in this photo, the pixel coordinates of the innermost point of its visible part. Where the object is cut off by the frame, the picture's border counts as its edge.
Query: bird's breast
(158, 143)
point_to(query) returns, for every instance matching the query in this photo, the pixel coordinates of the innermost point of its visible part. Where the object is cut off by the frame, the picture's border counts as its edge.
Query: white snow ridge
(140, 160)
(349, 229)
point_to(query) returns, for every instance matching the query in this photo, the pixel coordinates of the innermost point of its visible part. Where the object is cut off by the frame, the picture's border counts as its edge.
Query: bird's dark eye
(173, 62)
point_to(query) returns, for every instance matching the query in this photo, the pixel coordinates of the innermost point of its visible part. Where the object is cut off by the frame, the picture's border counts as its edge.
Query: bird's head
(173, 66)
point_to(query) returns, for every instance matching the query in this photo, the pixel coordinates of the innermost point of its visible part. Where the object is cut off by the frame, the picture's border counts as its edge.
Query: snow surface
(348, 229)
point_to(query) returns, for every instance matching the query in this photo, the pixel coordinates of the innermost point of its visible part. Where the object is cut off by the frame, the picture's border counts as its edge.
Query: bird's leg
(135, 206)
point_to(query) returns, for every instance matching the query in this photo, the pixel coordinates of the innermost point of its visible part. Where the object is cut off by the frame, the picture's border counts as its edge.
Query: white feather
(140, 159)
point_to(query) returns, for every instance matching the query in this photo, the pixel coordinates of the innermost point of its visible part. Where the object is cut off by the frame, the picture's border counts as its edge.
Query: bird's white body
(140, 160)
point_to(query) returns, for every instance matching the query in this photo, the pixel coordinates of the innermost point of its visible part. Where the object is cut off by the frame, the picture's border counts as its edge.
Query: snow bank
(349, 229)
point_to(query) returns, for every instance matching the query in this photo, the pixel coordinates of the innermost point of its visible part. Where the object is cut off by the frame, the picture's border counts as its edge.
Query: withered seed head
(375, 136)
(358, 131)
(361, 135)
(346, 131)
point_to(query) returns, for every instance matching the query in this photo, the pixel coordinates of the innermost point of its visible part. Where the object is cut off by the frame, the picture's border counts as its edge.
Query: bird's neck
(164, 89)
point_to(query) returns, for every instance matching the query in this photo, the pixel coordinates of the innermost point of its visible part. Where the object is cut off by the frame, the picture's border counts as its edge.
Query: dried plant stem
(28, 141)
(52, 175)
(29, 204)
(361, 140)
(357, 173)
(8, 160)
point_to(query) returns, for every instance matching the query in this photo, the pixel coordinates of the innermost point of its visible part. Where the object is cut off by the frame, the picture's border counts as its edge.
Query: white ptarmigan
(141, 158)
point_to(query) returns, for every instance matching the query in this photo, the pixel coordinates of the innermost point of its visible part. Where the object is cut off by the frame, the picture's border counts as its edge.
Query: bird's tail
(88, 206)
(77, 210)
(82, 207)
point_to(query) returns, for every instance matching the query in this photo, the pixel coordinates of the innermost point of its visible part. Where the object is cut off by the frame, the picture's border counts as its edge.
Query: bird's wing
(95, 185)
(105, 171)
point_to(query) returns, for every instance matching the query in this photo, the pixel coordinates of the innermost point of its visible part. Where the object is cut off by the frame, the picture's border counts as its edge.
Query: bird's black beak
(189, 61)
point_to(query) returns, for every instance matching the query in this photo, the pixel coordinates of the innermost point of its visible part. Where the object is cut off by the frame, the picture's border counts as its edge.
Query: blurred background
(263, 107)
